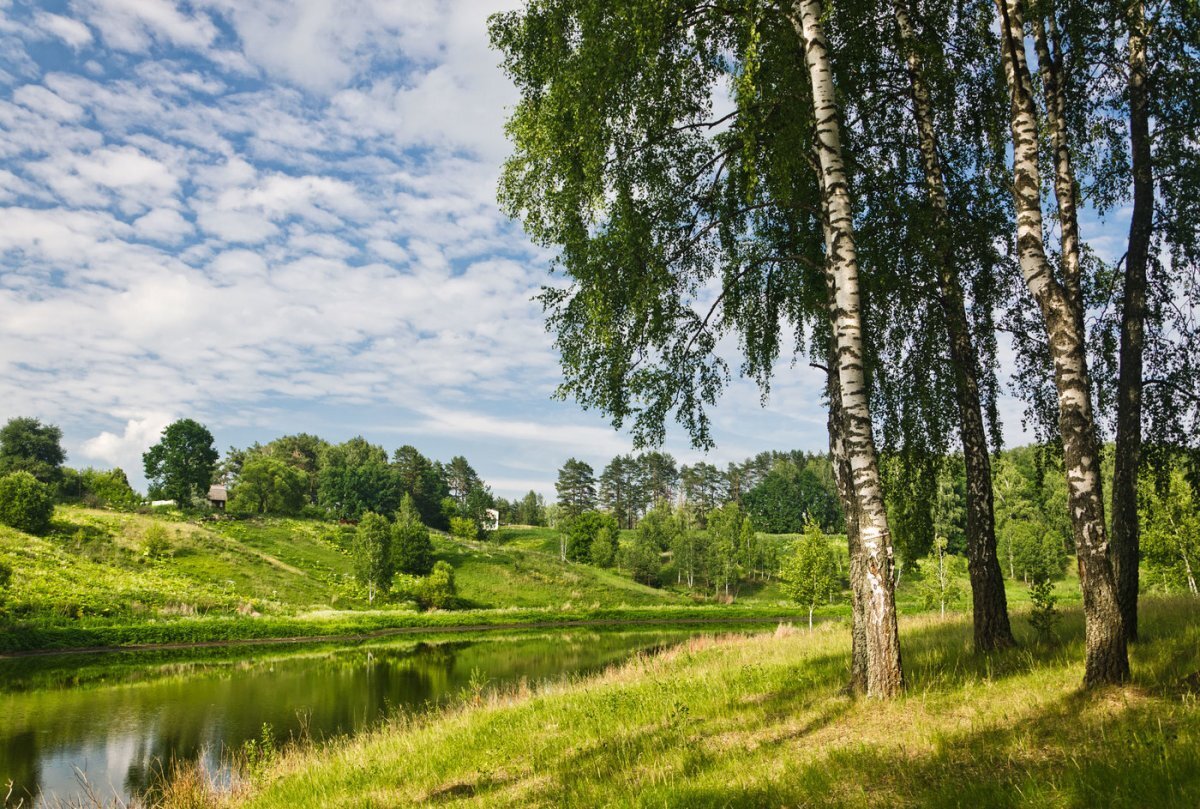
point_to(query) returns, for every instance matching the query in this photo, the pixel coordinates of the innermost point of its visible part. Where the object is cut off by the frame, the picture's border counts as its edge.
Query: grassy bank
(762, 721)
(331, 625)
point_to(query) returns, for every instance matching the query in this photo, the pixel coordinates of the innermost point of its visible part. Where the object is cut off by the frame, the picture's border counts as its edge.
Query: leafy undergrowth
(763, 721)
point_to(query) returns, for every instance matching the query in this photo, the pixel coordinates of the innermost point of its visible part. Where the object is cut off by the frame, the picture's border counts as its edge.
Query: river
(118, 721)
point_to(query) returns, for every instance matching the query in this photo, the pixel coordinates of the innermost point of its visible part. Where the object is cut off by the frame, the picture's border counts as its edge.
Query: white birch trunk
(1107, 659)
(884, 677)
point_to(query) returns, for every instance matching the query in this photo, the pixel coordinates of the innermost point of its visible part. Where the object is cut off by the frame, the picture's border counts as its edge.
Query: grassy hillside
(103, 578)
(520, 567)
(95, 565)
(155, 578)
(763, 721)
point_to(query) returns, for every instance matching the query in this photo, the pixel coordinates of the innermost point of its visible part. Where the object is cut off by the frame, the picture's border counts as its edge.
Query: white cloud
(72, 32)
(481, 425)
(125, 450)
(39, 99)
(231, 208)
(163, 225)
(133, 25)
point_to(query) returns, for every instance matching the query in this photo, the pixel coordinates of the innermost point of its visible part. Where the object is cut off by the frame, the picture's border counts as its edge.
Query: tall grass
(764, 721)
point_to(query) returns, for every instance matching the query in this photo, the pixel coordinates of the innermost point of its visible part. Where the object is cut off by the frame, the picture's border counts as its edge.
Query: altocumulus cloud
(233, 210)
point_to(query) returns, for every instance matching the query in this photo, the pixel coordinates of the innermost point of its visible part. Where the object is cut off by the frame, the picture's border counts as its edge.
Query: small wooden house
(218, 496)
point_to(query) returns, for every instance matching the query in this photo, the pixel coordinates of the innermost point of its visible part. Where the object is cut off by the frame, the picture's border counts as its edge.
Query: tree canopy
(27, 445)
(180, 466)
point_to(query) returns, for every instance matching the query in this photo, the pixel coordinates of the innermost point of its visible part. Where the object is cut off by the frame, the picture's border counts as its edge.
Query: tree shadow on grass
(939, 655)
(1086, 750)
(1136, 746)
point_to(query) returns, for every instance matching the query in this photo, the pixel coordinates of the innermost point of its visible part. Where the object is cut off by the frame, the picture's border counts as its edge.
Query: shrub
(463, 528)
(5, 580)
(372, 552)
(157, 545)
(604, 547)
(25, 503)
(1043, 617)
(581, 531)
(643, 560)
(437, 590)
(412, 550)
(108, 488)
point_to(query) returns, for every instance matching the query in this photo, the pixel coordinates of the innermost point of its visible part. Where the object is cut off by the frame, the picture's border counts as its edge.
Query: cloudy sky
(278, 217)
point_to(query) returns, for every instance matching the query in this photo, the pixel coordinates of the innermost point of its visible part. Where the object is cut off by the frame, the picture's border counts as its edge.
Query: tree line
(706, 530)
(778, 490)
(884, 191)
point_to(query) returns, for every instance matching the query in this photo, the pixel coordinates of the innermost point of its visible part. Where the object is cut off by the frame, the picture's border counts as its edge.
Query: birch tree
(678, 219)
(882, 641)
(1059, 300)
(990, 606)
(1145, 50)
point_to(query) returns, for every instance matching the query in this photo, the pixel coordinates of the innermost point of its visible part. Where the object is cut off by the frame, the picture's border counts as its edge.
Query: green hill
(520, 567)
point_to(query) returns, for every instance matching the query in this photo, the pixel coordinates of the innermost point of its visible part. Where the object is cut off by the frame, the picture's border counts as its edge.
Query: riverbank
(198, 633)
(763, 721)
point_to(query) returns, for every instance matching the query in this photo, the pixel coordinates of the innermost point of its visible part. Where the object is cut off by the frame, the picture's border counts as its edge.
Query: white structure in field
(491, 519)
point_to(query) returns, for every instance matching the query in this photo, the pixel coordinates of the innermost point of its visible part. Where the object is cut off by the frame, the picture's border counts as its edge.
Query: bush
(1043, 617)
(437, 590)
(25, 503)
(582, 531)
(643, 560)
(604, 548)
(463, 528)
(412, 550)
(108, 488)
(157, 545)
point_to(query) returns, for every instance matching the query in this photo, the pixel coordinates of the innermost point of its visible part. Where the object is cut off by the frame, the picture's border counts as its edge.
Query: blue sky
(280, 216)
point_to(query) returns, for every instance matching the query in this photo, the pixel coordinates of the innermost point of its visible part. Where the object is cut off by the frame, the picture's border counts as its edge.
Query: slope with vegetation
(102, 578)
(765, 720)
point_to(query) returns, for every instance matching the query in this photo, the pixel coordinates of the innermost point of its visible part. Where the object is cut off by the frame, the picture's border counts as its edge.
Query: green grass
(762, 721)
(520, 567)
(93, 567)
(91, 583)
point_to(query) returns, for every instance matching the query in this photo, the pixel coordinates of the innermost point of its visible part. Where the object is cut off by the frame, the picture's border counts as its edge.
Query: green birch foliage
(1171, 533)
(372, 552)
(809, 572)
(725, 541)
(676, 219)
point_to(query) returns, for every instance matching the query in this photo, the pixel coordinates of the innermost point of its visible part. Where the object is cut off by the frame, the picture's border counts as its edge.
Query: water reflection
(123, 720)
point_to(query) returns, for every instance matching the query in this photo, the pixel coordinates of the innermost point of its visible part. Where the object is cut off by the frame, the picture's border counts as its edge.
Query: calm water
(121, 719)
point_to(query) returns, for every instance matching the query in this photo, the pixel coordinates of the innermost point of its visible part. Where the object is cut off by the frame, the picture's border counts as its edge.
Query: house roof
(217, 493)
